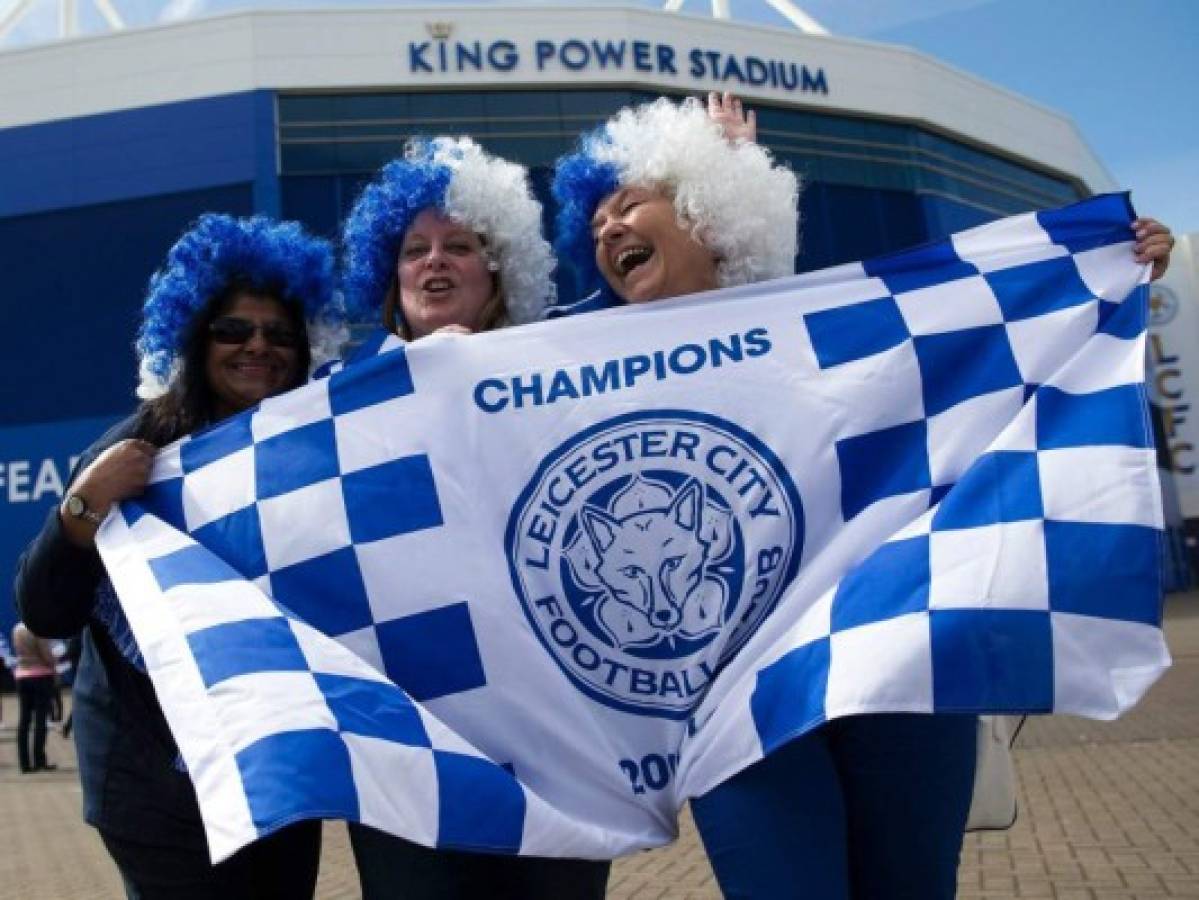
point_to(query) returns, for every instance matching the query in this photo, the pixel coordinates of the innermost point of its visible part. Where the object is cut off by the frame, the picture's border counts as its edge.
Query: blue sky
(1126, 72)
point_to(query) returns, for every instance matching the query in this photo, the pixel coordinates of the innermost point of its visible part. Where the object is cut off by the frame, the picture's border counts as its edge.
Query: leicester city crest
(647, 549)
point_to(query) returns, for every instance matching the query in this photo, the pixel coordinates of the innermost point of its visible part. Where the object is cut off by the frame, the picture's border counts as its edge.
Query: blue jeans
(865, 807)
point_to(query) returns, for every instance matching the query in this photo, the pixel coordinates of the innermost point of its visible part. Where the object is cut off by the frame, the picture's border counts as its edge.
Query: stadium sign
(440, 55)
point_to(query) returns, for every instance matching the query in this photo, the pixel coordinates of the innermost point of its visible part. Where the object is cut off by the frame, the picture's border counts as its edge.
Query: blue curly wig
(731, 195)
(278, 258)
(581, 182)
(458, 178)
(378, 222)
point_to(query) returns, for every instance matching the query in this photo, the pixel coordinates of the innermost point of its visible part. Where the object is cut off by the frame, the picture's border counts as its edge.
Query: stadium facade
(110, 145)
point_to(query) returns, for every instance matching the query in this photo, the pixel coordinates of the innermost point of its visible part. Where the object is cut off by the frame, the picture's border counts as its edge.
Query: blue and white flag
(527, 592)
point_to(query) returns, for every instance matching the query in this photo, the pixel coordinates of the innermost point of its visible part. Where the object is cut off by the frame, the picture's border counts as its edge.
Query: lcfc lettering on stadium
(537, 389)
(445, 57)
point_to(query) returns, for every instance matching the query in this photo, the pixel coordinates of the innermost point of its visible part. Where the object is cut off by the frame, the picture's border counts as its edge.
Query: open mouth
(437, 285)
(630, 258)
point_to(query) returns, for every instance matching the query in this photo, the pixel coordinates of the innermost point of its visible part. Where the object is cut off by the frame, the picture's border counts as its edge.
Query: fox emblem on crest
(646, 549)
(651, 558)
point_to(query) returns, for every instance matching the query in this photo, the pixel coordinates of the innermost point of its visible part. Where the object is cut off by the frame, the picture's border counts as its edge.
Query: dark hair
(189, 403)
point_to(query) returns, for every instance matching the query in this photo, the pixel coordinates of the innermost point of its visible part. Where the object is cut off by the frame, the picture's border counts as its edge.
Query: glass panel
(304, 158)
(310, 130)
(536, 126)
(530, 150)
(442, 106)
(305, 107)
(311, 199)
(397, 130)
(372, 106)
(525, 104)
(594, 105)
(367, 156)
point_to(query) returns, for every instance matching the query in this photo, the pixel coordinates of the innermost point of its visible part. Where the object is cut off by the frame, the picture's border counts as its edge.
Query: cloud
(864, 18)
(182, 9)
(36, 25)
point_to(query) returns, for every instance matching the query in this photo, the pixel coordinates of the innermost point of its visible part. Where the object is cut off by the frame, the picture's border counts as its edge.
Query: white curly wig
(735, 199)
(489, 195)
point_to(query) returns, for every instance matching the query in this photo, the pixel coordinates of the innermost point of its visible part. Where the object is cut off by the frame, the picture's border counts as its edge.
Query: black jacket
(131, 785)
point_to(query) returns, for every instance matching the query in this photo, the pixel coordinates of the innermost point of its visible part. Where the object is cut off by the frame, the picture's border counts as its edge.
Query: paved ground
(1109, 811)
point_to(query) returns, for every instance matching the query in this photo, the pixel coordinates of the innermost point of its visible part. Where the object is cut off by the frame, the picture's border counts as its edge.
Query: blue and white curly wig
(457, 177)
(217, 252)
(733, 197)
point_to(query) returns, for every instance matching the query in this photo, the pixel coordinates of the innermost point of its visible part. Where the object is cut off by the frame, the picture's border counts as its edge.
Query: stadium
(111, 144)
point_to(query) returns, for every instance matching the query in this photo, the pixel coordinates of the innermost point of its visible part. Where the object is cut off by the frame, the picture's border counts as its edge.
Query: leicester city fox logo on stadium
(647, 549)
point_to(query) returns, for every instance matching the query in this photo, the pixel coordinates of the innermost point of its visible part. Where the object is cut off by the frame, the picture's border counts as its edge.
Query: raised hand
(1154, 243)
(737, 124)
(118, 473)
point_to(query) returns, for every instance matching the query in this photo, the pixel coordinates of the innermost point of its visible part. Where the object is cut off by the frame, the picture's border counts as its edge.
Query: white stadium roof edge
(370, 49)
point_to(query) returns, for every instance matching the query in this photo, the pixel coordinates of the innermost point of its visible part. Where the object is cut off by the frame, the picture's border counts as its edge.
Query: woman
(34, 675)
(654, 167)
(223, 328)
(448, 239)
(661, 203)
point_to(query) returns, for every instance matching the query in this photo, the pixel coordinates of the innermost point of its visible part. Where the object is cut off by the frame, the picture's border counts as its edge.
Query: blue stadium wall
(89, 206)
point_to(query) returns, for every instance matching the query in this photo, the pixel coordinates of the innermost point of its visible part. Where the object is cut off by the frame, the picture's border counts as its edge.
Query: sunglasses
(232, 330)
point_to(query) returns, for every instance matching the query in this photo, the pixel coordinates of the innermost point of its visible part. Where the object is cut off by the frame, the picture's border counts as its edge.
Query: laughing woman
(448, 239)
(661, 203)
(223, 327)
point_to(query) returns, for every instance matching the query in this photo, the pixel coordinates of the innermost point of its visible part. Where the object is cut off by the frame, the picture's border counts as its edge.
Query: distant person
(35, 696)
(7, 664)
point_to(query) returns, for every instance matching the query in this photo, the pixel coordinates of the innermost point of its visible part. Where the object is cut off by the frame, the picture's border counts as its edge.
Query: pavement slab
(1108, 811)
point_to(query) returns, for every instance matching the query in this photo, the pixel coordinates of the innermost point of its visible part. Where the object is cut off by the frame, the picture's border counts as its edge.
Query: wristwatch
(77, 508)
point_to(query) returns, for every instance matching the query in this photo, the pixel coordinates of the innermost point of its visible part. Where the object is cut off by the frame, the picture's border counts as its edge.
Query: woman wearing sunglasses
(223, 328)
(660, 203)
(448, 239)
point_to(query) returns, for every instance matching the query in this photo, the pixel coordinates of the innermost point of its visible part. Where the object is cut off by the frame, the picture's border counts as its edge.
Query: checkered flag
(527, 592)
